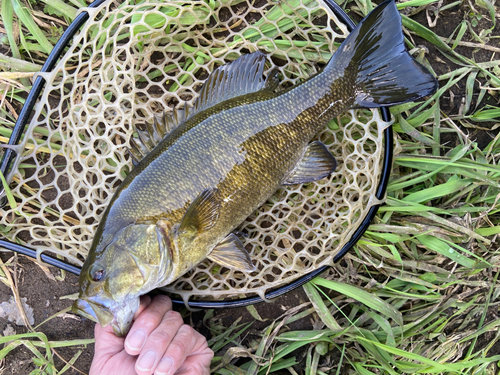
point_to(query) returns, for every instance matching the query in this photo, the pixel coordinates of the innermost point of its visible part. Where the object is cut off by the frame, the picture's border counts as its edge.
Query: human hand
(158, 343)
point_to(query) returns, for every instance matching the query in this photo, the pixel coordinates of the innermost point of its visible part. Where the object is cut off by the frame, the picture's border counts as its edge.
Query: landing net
(133, 60)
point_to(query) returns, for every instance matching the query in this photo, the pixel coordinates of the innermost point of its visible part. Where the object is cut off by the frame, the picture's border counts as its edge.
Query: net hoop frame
(18, 130)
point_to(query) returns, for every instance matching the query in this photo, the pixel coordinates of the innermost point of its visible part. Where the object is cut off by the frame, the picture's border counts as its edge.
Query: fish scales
(245, 150)
(243, 141)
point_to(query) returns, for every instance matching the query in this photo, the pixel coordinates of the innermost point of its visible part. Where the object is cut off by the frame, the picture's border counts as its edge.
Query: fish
(222, 159)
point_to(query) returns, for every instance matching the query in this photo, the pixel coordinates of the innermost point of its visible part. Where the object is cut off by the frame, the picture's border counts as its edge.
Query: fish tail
(386, 74)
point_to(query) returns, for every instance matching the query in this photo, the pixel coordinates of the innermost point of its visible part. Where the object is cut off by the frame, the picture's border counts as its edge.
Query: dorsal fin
(240, 77)
(154, 132)
(237, 78)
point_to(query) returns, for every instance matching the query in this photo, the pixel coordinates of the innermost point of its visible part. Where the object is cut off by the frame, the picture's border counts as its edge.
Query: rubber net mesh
(133, 60)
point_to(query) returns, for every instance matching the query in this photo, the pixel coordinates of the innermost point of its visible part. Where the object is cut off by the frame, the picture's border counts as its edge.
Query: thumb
(106, 342)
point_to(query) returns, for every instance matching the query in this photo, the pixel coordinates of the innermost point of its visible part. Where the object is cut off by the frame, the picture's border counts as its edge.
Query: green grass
(419, 293)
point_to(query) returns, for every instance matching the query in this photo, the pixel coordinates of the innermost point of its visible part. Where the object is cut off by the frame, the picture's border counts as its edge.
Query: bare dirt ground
(44, 296)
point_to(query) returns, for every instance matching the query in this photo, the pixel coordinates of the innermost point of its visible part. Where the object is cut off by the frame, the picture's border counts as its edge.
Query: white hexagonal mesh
(131, 61)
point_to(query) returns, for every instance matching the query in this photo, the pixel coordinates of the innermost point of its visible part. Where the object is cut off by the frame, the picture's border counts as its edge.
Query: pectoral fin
(316, 164)
(201, 214)
(231, 253)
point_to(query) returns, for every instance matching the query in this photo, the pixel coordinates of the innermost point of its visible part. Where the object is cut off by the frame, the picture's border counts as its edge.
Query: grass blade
(27, 20)
(426, 195)
(362, 296)
(8, 192)
(320, 307)
(8, 24)
(443, 248)
(62, 7)
(415, 3)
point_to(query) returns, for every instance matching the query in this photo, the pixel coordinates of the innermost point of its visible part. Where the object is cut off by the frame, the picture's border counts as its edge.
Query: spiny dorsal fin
(154, 132)
(240, 77)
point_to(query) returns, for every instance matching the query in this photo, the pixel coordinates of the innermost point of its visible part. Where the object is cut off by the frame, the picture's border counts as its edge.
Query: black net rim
(33, 97)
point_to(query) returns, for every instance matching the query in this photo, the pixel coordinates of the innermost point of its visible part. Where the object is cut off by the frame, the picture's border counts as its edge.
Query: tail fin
(375, 52)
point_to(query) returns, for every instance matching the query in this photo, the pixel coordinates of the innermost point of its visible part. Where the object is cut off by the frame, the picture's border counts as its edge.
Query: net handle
(21, 122)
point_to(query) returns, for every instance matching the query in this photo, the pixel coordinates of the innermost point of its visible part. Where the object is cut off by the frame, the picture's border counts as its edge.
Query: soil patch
(47, 297)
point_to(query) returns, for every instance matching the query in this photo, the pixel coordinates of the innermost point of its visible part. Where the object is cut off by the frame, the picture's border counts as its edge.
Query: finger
(106, 342)
(197, 364)
(120, 363)
(108, 347)
(145, 302)
(146, 322)
(184, 344)
(157, 342)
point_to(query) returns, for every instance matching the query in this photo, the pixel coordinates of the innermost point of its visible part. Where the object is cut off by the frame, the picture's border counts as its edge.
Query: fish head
(115, 275)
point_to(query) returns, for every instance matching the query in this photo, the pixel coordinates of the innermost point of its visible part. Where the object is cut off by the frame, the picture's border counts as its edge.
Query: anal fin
(231, 253)
(316, 163)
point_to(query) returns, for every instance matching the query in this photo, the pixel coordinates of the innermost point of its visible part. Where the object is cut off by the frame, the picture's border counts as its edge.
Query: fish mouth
(84, 309)
(119, 316)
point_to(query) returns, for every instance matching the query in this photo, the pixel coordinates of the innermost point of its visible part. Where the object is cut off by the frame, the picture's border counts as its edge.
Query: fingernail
(147, 361)
(136, 340)
(164, 366)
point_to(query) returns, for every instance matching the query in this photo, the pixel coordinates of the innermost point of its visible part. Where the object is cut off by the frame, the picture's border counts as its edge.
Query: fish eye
(97, 273)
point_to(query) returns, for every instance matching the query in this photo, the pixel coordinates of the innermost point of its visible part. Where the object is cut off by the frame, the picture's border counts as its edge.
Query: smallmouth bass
(227, 156)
